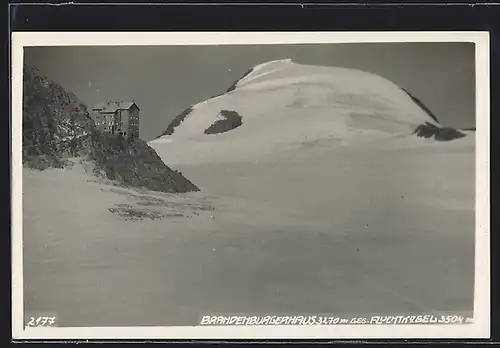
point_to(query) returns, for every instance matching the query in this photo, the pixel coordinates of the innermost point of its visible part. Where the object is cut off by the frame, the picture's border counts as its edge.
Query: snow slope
(282, 103)
(308, 232)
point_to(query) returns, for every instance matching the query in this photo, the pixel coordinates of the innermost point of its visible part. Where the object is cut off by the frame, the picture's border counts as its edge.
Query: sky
(165, 80)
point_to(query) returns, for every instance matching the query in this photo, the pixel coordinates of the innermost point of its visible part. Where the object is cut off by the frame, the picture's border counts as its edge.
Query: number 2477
(41, 321)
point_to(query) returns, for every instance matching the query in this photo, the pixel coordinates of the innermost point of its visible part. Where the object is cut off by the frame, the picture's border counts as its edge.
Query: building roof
(112, 106)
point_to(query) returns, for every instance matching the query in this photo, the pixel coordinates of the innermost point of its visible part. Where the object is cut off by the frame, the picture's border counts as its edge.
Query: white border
(481, 326)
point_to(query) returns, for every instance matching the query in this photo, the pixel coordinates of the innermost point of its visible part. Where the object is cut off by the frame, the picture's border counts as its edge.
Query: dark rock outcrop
(231, 121)
(233, 86)
(134, 163)
(176, 122)
(180, 117)
(421, 105)
(428, 130)
(56, 125)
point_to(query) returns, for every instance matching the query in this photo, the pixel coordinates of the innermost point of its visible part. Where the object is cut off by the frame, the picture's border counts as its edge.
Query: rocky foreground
(56, 126)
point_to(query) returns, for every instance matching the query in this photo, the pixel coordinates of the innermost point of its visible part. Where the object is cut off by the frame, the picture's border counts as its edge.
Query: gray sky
(164, 80)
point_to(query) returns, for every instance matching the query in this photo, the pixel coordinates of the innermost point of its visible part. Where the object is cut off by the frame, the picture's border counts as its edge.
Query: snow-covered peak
(263, 68)
(271, 63)
(280, 103)
(337, 98)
